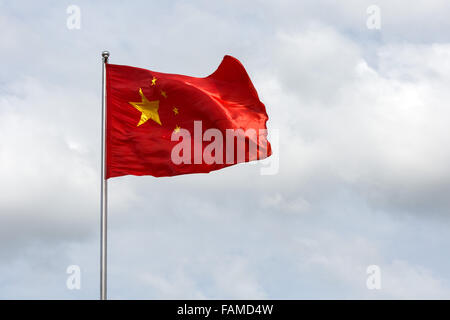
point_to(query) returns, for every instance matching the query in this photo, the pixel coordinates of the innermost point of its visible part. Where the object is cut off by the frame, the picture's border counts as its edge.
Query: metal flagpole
(104, 185)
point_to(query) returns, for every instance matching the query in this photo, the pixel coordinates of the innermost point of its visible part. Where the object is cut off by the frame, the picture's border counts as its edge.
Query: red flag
(163, 124)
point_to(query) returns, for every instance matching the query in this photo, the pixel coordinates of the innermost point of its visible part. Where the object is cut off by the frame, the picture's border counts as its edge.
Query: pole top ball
(105, 54)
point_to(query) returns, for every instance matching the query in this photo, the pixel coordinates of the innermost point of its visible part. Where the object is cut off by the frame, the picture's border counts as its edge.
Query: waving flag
(163, 124)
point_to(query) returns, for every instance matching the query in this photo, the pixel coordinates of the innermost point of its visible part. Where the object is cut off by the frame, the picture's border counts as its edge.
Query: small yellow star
(164, 94)
(154, 81)
(177, 129)
(148, 109)
(175, 110)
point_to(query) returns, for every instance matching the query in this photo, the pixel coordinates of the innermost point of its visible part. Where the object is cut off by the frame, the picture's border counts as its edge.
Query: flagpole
(103, 189)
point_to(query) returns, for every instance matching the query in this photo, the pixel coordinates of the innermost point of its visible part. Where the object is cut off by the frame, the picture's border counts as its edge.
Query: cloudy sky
(363, 148)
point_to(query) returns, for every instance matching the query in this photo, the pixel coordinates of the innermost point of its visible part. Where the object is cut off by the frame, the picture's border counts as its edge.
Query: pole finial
(105, 55)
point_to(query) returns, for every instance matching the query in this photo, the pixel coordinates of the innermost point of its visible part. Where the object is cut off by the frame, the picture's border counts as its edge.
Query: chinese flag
(163, 124)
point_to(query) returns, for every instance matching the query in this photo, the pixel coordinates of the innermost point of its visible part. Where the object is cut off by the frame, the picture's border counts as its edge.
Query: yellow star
(164, 94)
(149, 109)
(177, 129)
(154, 81)
(175, 110)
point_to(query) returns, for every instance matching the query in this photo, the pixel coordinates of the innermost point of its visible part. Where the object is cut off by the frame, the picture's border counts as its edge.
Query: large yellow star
(149, 109)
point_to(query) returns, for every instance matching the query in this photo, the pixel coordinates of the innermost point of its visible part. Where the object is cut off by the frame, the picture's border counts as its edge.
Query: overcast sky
(364, 175)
